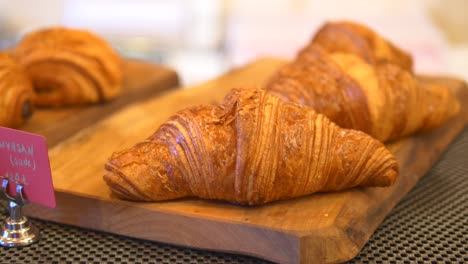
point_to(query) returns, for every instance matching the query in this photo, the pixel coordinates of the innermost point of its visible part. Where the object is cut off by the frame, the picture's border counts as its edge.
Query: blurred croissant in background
(361, 81)
(361, 41)
(70, 66)
(16, 93)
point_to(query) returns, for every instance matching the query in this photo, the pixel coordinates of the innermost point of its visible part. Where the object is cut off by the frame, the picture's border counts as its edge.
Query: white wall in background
(286, 26)
(24, 15)
(164, 19)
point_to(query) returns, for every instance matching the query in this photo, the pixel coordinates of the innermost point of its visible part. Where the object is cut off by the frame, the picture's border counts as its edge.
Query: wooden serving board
(325, 227)
(141, 80)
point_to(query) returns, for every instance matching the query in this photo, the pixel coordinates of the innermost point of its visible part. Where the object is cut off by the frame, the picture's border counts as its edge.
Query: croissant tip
(119, 187)
(389, 177)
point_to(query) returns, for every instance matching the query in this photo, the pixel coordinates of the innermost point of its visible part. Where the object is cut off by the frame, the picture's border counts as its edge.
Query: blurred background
(201, 39)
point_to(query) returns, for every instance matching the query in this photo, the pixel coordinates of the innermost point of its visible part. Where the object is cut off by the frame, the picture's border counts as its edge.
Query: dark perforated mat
(428, 225)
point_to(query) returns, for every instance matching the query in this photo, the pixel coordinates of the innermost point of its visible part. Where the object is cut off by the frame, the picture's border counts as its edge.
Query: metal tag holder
(16, 229)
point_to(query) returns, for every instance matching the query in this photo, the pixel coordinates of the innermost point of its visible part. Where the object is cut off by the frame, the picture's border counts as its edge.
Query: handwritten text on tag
(24, 160)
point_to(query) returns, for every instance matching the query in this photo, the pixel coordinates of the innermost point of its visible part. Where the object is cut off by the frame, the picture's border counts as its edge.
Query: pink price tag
(24, 160)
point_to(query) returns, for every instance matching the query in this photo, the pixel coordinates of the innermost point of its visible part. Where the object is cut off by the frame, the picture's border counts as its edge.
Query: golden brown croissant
(252, 149)
(349, 37)
(16, 93)
(382, 100)
(70, 67)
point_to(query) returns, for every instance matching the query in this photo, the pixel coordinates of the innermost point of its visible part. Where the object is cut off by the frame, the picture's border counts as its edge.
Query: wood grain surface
(324, 227)
(141, 80)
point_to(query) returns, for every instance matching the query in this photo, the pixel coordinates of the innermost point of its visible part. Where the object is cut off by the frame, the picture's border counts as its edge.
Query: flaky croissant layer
(359, 40)
(252, 149)
(16, 93)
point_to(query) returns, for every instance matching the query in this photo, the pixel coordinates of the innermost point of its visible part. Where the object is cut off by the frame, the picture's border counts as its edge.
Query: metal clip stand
(17, 230)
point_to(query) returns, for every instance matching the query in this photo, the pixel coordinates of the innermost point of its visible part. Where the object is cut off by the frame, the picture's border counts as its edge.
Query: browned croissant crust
(251, 149)
(317, 81)
(382, 100)
(349, 37)
(70, 66)
(16, 93)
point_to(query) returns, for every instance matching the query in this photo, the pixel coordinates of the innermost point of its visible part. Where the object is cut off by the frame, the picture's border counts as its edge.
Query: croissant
(382, 100)
(16, 93)
(70, 66)
(251, 149)
(357, 39)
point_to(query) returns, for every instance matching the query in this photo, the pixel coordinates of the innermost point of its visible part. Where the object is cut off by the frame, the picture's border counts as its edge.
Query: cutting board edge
(248, 236)
(299, 233)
